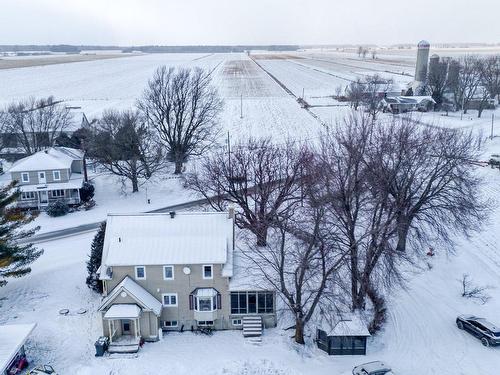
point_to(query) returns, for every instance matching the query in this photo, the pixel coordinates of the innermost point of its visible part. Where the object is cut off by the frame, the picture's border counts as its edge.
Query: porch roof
(73, 183)
(137, 292)
(123, 311)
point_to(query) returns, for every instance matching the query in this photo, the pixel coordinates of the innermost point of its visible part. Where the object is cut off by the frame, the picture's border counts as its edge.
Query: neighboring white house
(173, 271)
(56, 173)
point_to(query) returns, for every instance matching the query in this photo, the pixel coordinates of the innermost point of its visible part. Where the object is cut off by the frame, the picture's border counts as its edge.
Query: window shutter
(191, 302)
(219, 301)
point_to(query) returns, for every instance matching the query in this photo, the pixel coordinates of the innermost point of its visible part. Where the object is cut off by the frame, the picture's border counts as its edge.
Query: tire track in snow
(288, 91)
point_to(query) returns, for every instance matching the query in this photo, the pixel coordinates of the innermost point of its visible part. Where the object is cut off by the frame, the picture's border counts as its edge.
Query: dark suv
(487, 332)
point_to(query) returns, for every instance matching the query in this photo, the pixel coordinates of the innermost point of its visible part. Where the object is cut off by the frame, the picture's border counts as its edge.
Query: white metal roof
(347, 326)
(123, 311)
(12, 338)
(52, 158)
(157, 239)
(206, 292)
(74, 183)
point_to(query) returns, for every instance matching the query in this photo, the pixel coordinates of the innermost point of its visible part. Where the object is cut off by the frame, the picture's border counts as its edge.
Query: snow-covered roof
(158, 238)
(75, 182)
(12, 338)
(51, 158)
(347, 326)
(206, 292)
(137, 292)
(123, 311)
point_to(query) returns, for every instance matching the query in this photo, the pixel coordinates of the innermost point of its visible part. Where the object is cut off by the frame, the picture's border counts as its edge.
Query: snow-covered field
(420, 336)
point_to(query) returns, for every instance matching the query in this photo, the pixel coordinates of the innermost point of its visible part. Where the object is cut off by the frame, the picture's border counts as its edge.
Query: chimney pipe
(172, 214)
(230, 212)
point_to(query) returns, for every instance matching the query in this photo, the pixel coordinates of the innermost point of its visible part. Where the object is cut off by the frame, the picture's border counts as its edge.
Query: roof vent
(172, 214)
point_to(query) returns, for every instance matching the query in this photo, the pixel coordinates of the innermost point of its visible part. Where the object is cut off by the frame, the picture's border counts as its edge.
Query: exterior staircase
(252, 329)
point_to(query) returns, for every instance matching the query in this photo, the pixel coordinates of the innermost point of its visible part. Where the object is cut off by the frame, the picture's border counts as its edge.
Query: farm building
(346, 337)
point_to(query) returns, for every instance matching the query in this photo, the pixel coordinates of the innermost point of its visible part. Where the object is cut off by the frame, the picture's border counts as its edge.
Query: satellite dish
(186, 270)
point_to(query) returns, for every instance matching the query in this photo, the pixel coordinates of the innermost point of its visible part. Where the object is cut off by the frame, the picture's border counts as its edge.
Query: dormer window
(56, 175)
(25, 177)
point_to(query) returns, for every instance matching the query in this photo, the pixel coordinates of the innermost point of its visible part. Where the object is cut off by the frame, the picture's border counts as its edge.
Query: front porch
(124, 327)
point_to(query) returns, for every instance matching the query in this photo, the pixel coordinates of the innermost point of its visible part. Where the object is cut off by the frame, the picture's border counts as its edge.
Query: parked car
(487, 332)
(372, 368)
(43, 370)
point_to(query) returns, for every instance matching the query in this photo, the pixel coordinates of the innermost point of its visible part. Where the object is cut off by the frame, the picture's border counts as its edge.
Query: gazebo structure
(345, 337)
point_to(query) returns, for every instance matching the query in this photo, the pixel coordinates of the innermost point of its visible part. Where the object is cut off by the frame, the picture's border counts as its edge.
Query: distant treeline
(146, 49)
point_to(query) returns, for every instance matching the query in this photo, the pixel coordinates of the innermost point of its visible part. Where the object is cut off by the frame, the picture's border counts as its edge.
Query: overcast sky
(187, 22)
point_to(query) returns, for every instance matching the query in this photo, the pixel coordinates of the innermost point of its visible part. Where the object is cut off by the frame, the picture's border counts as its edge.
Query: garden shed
(346, 336)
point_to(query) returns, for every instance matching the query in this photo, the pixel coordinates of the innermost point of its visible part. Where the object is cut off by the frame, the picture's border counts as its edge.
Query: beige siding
(183, 285)
(49, 176)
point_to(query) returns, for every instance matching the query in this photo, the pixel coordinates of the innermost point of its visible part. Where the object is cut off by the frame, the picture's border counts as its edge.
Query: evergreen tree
(95, 258)
(15, 257)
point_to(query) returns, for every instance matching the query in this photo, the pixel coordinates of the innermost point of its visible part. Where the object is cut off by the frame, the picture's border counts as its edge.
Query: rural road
(73, 231)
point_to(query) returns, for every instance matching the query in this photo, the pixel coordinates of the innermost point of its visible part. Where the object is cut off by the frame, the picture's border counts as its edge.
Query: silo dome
(435, 57)
(423, 44)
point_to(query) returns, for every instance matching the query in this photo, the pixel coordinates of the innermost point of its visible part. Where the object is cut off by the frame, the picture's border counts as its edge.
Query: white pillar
(110, 332)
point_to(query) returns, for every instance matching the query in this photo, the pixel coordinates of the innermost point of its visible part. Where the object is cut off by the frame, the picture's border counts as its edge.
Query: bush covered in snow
(87, 191)
(57, 208)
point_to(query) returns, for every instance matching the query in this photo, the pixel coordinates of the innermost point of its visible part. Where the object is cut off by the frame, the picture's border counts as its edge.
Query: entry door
(44, 198)
(126, 327)
(42, 179)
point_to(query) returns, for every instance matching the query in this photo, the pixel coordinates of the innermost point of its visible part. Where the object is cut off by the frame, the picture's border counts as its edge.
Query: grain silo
(422, 64)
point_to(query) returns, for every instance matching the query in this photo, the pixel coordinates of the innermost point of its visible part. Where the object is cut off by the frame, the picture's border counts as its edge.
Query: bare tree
(467, 82)
(473, 291)
(355, 93)
(437, 80)
(386, 185)
(375, 88)
(261, 178)
(35, 124)
(299, 264)
(183, 106)
(491, 76)
(359, 214)
(125, 145)
(430, 175)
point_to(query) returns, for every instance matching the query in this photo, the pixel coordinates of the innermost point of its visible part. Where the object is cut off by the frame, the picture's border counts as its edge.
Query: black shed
(346, 337)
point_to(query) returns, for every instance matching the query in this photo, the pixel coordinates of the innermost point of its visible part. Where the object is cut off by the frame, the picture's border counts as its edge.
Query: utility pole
(492, 122)
(241, 105)
(229, 151)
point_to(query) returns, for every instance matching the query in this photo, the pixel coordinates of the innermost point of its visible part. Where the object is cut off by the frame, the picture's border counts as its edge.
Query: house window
(252, 302)
(140, 272)
(236, 322)
(28, 195)
(170, 323)
(25, 177)
(205, 323)
(57, 193)
(208, 271)
(56, 175)
(168, 272)
(169, 299)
